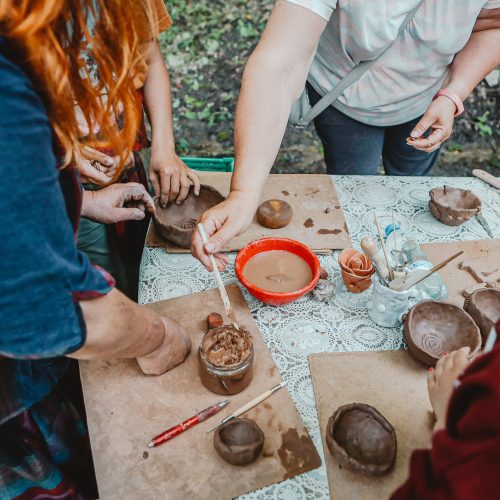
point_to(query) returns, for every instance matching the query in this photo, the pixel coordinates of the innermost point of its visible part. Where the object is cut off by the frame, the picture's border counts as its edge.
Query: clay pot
(356, 269)
(239, 442)
(453, 206)
(484, 307)
(434, 327)
(361, 439)
(176, 223)
(274, 214)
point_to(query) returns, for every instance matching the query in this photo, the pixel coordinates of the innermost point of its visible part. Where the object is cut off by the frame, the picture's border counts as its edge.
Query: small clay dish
(176, 223)
(274, 214)
(434, 327)
(453, 206)
(361, 439)
(239, 442)
(484, 307)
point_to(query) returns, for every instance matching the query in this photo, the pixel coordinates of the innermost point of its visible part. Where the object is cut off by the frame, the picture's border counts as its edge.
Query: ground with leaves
(206, 50)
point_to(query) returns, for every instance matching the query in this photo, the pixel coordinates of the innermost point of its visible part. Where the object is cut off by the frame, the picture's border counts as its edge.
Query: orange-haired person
(55, 306)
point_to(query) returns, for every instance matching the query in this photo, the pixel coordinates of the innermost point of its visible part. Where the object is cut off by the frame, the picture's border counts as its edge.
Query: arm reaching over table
(273, 79)
(477, 59)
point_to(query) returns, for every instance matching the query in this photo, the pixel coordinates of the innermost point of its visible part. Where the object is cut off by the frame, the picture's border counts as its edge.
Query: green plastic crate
(209, 164)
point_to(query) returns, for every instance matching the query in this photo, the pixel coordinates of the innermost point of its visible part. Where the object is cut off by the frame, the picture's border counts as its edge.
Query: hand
(222, 223)
(441, 379)
(170, 353)
(116, 203)
(439, 117)
(99, 168)
(171, 178)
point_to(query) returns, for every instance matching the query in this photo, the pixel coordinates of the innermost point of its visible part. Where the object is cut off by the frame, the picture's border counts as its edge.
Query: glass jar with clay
(226, 359)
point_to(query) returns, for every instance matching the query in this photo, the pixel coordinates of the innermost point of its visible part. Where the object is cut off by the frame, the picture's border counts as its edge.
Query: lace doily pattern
(294, 331)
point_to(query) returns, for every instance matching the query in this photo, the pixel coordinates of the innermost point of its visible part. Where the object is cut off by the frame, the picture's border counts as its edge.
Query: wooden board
(125, 409)
(392, 382)
(455, 278)
(309, 195)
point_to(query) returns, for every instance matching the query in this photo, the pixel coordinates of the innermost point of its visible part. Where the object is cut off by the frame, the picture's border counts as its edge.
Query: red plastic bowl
(265, 245)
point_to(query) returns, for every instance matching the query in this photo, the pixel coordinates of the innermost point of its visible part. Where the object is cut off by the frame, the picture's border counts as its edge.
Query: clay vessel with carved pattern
(434, 327)
(176, 223)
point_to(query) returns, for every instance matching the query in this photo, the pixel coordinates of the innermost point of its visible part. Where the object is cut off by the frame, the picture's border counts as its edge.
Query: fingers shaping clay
(176, 223)
(361, 439)
(453, 206)
(239, 442)
(274, 214)
(434, 327)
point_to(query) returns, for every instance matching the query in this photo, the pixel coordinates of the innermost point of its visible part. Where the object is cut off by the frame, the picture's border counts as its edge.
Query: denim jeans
(352, 147)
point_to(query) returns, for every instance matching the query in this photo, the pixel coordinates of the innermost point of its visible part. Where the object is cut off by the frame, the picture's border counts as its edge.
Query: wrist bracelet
(454, 97)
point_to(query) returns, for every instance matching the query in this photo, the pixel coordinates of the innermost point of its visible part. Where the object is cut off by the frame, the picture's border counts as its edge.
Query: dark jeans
(352, 147)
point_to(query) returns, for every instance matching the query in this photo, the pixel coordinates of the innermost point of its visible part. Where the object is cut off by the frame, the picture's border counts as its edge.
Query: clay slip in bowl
(434, 327)
(453, 206)
(176, 223)
(265, 245)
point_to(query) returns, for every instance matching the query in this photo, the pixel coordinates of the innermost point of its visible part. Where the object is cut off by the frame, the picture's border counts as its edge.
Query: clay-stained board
(311, 197)
(125, 409)
(392, 382)
(455, 278)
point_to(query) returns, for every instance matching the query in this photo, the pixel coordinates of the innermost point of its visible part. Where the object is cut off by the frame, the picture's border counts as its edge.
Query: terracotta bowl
(266, 245)
(434, 327)
(356, 269)
(176, 223)
(453, 206)
(484, 307)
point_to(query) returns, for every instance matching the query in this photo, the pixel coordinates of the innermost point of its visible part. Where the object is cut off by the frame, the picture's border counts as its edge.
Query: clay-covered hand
(171, 178)
(222, 223)
(116, 203)
(99, 168)
(171, 352)
(439, 117)
(440, 382)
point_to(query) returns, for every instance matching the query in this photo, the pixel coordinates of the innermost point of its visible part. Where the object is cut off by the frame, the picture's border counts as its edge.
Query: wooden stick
(220, 284)
(408, 284)
(250, 405)
(486, 177)
(386, 255)
(395, 234)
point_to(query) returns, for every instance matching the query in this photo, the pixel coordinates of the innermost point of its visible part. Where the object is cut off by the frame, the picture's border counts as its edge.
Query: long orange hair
(51, 36)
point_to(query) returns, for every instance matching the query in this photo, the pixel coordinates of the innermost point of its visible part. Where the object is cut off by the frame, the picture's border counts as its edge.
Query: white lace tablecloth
(294, 331)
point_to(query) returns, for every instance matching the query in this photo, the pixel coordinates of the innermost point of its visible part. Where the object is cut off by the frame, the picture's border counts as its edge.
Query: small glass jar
(226, 380)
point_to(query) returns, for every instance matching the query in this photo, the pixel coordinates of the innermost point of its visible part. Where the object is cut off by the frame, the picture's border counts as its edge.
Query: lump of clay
(356, 269)
(239, 442)
(226, 346)
(176, 223)
(484, 307)
(434, 327)
(361, 439)
(453, 206)
(274, 214)
(214, 320)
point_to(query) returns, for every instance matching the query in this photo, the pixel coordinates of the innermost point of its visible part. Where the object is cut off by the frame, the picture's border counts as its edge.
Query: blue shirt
(42, 274)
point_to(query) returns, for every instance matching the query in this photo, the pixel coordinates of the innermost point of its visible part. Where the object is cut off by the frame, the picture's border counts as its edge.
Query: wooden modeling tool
(250, 405)
(220, 284)
(417, 279)
(370, 248)
(486, 177)
(386, 255)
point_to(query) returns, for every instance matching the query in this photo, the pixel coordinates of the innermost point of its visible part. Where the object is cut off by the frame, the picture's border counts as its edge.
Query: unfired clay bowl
(484, 307)
(361, 439)
(433, 328)
(453, 206)
(176, 223)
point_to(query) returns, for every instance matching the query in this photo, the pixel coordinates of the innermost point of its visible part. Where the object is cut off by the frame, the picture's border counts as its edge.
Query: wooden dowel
(386, 255)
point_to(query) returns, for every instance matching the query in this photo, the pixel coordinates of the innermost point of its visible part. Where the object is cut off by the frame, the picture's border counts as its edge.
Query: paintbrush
(410, 283)
(249, 405)
(220, 284)
(384, 249)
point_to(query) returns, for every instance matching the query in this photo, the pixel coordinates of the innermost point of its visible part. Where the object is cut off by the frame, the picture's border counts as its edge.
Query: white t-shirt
(401, 84)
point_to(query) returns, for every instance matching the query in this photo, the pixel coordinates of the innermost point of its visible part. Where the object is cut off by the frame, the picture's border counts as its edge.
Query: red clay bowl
(266, 245)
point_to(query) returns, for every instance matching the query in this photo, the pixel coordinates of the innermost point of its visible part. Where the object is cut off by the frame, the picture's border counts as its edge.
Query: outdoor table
(294, 331)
